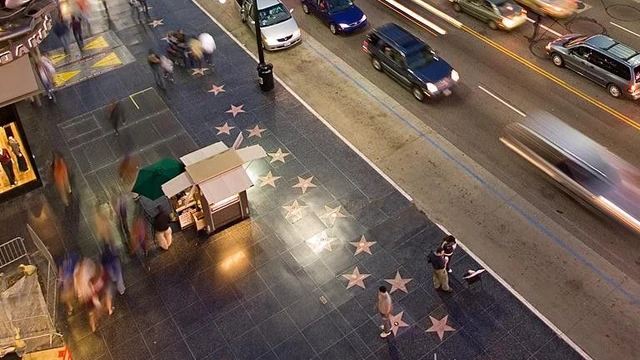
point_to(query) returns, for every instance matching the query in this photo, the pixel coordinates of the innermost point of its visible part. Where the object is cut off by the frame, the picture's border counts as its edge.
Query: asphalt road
(473, 120)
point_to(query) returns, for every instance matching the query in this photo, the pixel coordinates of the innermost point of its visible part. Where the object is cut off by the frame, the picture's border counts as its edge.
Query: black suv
(410, 61)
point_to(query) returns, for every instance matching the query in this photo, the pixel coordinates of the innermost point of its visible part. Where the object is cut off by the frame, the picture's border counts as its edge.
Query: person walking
(139, 240)
(440, 276)
(111, 263)
(76, 27)
(449, 246)
(102, 222)
(167, 67)
(61, 178)
(196, 52)
(128, 169)
(384, 306)
(162, 229)
(47, 73)
(115, 115)
(154, 63)
(61, 30)
(208, 47)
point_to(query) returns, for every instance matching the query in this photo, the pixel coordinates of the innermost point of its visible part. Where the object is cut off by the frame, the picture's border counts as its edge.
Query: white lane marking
(545, 28)
(515, 293)
(502, 101)
(625, 29)
(437, 12)
(315, 113)
(417, 17)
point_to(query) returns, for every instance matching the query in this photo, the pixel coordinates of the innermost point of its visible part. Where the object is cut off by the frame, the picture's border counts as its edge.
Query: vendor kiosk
(212, 192)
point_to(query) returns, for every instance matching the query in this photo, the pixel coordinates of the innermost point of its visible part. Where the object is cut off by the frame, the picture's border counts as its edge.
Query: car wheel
(614, 90)
(457, 7)
(376, 64)
(493, 25)
(305, 9)
(557, 60)
(418, 93)
(333, 28)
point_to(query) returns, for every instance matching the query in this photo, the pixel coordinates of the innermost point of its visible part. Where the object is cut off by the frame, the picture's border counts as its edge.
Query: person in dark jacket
(61, 30)
(162, 229)
(449, 245)
(440, 276)
(76, 26)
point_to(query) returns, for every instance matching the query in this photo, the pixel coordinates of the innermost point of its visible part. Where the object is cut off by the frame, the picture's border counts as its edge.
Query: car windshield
(506, 8)
(420, 58)
(339, 5)
(274, 15)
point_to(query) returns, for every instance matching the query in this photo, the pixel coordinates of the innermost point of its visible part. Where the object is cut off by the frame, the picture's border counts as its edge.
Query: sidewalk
(281, 299)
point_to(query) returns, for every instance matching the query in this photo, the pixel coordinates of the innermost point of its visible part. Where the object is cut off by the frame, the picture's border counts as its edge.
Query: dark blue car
(342, 16)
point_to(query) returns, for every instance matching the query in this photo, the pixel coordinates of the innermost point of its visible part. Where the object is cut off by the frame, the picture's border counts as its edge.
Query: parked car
(601, 59)
(579, 165)
(410, 61)
(501, 14)
(557, 9)
(342, 16)
(279, 29)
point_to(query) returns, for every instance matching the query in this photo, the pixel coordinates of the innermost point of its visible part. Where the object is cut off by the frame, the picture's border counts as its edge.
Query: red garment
(4, 156)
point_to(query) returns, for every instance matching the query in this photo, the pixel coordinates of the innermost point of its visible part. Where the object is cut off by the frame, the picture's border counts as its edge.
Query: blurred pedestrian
(47, 73)
(110, 261)
(115, 115)
(65, 277)
(384, 306)
(449, 246)
(61, 178)
(440, 276)
(61, 30)
(154, 63)
(196, 53)
(167, 67)
(208, 47)
(128, 169)
(139, 238)
(89, 281)
(102, 222)
(121, 207)
(76, 26)
(163, 230)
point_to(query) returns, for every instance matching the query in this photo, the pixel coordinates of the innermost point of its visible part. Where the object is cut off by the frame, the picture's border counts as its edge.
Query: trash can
(265, 74)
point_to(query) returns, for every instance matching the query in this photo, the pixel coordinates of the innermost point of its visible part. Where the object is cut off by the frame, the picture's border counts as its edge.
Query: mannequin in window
(15, 148)
(7, 165)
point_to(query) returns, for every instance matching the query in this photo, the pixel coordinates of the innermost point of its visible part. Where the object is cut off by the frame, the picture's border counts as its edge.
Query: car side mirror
(290, 11)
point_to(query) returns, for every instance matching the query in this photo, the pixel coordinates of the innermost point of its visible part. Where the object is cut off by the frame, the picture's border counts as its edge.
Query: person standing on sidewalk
(449, 245)
(154, 63)
(384, 306)
(76, 26)
(440, 275)
(162, 229)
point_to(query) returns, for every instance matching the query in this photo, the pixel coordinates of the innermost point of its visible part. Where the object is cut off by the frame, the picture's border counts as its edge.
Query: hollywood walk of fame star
(268, 179)
(304, 184)
(355, 278)
(156, 23)
(224, 129)
(397, 323)
(278, 156)
(398, 283)
(294, 209)
(332, 214)
(235, 110)
(198, 71)
(362, 246)
(256, 131)
(215, 89)
(320, 242)
(440, 326)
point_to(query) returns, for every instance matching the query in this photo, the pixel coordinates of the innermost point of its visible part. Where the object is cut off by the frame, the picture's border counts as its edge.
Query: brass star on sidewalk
(398, 283)
(294, 209)
(278, 156)
(225, 129)
(256, 131)
(156, 23)
(440, 326)
(320, 242)
(304, 184)
(356, 278)
(235, 110)
(215, 89)
(362, 246)
(397, 323)
(268, 179)
(198, 71)
(332, 214)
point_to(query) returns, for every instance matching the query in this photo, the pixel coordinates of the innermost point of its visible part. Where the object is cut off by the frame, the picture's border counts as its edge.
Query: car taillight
(634, 88)
(365, 46)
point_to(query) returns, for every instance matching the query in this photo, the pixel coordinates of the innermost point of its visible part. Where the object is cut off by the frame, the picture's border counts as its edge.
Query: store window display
(16, 166)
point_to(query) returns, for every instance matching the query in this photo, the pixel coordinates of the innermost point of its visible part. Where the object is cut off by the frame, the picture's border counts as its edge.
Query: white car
(279, 29)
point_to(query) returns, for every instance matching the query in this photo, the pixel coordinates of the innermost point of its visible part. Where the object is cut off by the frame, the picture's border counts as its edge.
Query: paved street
(283, 297)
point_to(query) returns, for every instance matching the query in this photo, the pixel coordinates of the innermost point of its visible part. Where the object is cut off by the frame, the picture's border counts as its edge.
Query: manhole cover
(623, 12)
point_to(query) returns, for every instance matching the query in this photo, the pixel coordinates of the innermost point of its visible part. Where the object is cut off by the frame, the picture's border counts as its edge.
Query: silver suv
(601, 59)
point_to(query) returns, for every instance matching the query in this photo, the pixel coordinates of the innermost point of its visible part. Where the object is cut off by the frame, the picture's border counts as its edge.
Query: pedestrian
(61, 178)
(111, 263)
(384, 306)
(65, 277)
(449, 245)
(47, 73)
(208, 47)
(143, 8)
(120, 206)
(76, 26)
(154, 63)
(196, 52)
(440, 276)
(102, 223)
(61, 30)
(139, 239)
(89, 282)
(162, 229)
(167, 67)
(114, 113)
(128, 169)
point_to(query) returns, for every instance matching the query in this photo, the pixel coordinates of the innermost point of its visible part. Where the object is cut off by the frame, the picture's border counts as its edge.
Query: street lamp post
(265, 70)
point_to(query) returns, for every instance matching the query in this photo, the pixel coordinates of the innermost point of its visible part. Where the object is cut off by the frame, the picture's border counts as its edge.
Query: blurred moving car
(582, 167)
(410, 61)
(557, 9)
(279, 29)
(601, 59)
(501, 14)
(342, 16)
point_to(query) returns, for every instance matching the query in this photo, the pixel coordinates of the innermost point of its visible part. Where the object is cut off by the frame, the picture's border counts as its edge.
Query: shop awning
(177, 184)
(234, 181)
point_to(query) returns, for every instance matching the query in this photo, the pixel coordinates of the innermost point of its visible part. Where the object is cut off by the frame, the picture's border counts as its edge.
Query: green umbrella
(150, 179)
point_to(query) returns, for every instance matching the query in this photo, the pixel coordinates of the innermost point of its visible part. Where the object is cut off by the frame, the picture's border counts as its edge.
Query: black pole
(256, 19)
(265, 70)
